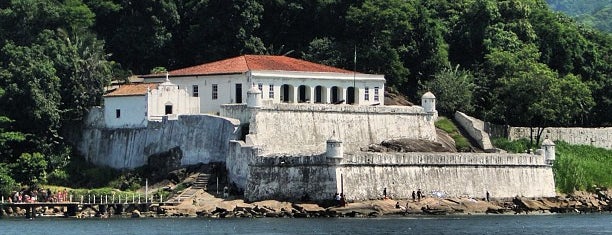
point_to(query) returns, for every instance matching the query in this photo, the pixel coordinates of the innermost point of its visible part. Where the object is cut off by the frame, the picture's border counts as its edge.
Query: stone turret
(549, 151)
(428, 102)
(254, 97)
(334, 148)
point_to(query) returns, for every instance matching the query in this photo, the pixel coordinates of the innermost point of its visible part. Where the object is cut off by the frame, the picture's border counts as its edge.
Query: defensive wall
(364, 175)
(201, 138)
(598, 137)
(304, 128)
(476, 128)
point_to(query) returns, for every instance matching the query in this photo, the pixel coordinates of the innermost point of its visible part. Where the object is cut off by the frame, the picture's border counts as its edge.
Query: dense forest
(511, 62)
(596, 13)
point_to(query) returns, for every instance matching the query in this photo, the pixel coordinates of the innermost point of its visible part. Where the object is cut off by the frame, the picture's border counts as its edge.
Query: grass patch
(582, 167)
(517, 146)
(461, 143)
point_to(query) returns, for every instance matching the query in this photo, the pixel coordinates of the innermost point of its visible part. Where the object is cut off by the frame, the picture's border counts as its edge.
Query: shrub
(461, 143)
(517, 146)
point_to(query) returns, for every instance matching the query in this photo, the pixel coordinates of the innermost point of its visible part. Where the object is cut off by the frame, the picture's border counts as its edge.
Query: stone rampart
(364, 175)
(282, 128)
(475, 128)
(598, 137)
(201, 138)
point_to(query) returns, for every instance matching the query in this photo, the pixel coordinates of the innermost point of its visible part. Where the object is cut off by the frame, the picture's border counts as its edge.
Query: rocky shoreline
(208, 206)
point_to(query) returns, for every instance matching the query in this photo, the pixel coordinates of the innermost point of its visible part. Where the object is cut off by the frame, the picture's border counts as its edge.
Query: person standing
(488, 195)
(385, 193)
(413, 196)
(419, 194)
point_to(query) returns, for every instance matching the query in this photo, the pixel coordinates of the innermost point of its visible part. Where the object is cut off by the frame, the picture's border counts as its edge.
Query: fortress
(287, 150)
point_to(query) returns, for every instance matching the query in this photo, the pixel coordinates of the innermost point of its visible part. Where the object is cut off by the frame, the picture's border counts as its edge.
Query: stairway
(201, 182)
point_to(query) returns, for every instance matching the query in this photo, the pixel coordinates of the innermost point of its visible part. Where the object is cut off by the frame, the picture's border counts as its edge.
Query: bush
(517, 146)
(7, 183)
(58, 177)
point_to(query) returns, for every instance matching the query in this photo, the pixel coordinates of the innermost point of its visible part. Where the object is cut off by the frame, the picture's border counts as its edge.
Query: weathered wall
(288, 177)
(236, 111)
(475, 128)
(303, 128)
(202, 138)
(453, 174)
(364, 175)
(237, 162)
(598, 137)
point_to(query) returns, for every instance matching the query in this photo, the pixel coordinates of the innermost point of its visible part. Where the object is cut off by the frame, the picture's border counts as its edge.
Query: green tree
(31, 168)
(454, 90)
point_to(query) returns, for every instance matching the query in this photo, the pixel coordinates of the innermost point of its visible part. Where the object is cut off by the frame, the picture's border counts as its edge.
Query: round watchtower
(549, 151)
(254, 97)
(334, 148)
(428, 102)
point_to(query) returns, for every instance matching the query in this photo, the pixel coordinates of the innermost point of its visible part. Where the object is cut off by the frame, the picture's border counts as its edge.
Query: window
(195, 91)
(214, 91)
(366, 93)
(260, 87)
(168, 109)
(376, 97)
(271, 92)
(118, 113)
(238, 93)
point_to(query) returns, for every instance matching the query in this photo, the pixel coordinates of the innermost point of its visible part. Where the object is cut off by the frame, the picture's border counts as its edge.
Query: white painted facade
(125, 111)
(136, 109)
(168, 100)
(281, 87)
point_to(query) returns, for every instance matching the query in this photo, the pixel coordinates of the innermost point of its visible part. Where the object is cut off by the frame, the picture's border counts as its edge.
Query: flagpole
(355, 73)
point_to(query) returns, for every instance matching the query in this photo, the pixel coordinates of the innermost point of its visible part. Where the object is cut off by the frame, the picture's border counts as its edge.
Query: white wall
(226, 89)
(599, 137)
(169, 94)
(304, 128)
(133, 111)
(364, 175)
(201, 138)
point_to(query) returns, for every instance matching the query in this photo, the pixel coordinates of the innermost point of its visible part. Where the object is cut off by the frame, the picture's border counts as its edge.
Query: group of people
(340, 200)
(38, 195)
(415, 195)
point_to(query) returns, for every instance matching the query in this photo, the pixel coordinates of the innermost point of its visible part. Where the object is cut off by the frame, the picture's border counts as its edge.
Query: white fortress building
(286, 128)
(280, 79)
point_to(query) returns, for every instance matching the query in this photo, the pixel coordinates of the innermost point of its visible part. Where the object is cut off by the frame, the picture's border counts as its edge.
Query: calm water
(497, 224)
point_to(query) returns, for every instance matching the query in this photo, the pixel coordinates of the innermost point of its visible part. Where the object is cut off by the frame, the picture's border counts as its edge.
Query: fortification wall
(364, 175)
(475, 128)
(202, 139)
(449, 174)
(291, 177)
(282, 128)
(598, 137)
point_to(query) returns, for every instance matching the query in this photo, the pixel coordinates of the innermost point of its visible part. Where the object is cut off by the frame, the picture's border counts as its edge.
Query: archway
(336, 95)
(304, 94)
(287, 93)
(320, 94)
(350, 95)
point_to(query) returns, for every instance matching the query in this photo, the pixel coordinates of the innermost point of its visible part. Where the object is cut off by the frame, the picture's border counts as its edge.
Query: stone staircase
(200, 183)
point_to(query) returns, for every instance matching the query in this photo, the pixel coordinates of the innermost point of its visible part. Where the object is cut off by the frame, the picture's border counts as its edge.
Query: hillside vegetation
(596, 13)
(510, 62)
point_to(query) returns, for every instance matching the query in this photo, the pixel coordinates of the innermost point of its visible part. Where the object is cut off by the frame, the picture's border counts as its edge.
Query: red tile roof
(133, 89)
(245, 63)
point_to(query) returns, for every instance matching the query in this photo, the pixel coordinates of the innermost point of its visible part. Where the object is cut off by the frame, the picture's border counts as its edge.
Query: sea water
(465, 224)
